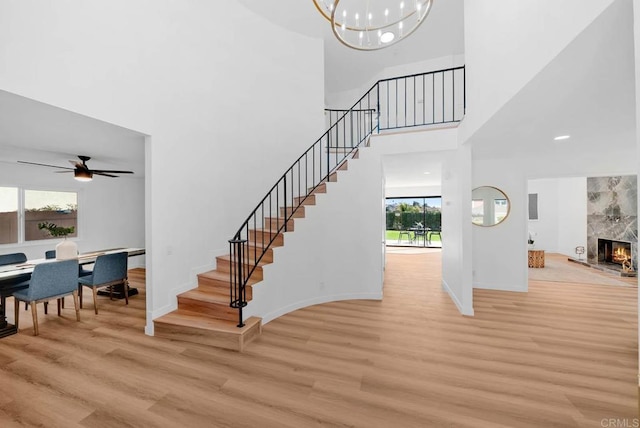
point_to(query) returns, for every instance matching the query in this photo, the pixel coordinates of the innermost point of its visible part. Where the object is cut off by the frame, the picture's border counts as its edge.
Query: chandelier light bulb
(378, 19)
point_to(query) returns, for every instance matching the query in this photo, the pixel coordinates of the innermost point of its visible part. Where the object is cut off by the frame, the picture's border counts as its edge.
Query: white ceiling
(441, 34)
(36, 132)
(409, 170)
(587, 92)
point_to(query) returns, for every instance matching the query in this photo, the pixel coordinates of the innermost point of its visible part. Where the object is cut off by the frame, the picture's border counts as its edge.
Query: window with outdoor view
(8, 215)
(23, 210)
(44, 206)
(414, 221)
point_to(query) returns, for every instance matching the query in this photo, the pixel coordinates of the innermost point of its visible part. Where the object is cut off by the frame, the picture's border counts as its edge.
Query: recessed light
(562, 137)
(427, 173)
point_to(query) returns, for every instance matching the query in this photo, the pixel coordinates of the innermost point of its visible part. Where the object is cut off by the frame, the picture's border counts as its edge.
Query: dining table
(11, 272)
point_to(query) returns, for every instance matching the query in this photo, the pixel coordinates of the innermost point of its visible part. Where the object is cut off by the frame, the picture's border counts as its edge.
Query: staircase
(212, 313)
(204, 315)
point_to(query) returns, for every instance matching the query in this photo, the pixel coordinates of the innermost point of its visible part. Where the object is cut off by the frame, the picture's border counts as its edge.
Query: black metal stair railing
(402, 102)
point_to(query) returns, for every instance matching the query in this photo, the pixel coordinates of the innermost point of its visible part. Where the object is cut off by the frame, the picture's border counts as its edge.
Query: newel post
(237, 284)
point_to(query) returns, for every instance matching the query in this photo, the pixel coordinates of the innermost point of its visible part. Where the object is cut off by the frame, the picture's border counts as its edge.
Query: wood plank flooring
(562, 355)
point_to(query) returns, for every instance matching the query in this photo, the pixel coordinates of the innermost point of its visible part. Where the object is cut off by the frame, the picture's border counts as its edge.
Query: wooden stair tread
(201, 321)
(250, 259)
(223, 276)
(265, 231)
(206, 295)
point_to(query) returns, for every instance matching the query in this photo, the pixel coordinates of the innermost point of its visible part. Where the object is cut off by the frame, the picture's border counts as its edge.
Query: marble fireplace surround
(612, 205)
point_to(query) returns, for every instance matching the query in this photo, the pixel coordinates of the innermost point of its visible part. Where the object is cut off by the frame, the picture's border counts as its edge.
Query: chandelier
(369, 25)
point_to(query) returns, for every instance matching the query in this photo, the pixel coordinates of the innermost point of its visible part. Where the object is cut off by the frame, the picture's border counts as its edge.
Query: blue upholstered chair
(8, 286)
(51, 254)
(49, 281)
(109, 270)
(14, 259)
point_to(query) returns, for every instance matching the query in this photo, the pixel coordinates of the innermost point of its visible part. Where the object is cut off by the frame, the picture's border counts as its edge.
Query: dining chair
(49, 281)
(8, 286)
(51, 254)
(109, 270)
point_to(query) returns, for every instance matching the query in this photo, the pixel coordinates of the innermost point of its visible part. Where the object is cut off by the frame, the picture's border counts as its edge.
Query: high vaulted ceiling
(440, 35)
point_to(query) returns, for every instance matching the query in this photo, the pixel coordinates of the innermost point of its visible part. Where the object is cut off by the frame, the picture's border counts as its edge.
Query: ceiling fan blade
(76, 164)
(97, 171)
(63, 172)
(42, 164)
(103, 174)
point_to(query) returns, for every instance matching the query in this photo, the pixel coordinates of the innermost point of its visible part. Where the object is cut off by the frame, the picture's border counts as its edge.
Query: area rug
(558, 269)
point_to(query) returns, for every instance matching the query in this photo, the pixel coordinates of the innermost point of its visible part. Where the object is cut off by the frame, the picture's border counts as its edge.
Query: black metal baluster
(443, 110)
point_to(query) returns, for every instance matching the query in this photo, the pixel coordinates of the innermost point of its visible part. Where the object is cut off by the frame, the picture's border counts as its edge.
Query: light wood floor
(562, 355)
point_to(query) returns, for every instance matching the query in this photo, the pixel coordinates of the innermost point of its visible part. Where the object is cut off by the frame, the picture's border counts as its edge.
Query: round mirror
(489, 206)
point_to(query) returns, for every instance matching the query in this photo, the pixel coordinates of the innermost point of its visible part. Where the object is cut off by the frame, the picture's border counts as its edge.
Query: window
(22, 210)
(413, 221)
(8, 215)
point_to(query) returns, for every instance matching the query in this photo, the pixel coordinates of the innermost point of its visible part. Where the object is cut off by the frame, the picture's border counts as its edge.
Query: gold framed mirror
(490, 206)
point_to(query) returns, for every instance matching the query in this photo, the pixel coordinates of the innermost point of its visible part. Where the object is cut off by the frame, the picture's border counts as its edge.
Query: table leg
(6, 329)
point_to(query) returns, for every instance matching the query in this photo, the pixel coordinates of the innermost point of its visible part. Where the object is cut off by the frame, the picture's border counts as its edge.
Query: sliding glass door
(414, 222)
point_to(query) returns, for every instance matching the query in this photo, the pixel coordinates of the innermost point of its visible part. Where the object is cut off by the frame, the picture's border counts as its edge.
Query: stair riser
(299, 213)
(310, 200)
(217, 339)
(322, 188)
(223, 291)
(271, 223)
(225, 266)
(213, 309)
(256, 238)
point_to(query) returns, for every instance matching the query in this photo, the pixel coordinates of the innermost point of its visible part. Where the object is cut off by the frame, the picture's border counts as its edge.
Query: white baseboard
(316, 301)
(456, 301)
(501, 287)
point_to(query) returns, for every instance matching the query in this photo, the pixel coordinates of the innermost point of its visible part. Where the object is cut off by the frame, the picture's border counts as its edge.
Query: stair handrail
(328, 154)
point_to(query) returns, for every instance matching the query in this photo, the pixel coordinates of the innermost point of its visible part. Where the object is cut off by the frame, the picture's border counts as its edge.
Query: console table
(536, 258)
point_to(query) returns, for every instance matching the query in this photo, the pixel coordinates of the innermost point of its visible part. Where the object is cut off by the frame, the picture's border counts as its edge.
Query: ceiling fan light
(82, 174)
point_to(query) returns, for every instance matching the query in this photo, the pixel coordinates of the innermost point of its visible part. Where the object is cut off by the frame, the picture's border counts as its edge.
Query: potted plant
(66, 249)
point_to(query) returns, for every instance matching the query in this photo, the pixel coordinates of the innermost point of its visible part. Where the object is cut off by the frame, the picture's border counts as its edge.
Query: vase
(66, 250)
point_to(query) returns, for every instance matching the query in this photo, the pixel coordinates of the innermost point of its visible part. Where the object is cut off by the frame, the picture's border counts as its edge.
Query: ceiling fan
(81, 171)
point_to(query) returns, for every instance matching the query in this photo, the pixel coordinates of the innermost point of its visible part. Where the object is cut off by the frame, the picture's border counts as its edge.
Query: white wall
(346, 99)
(562, 211)
(508, 42)
(110, 210)
(544, 231)
(346, 227)
(456, 228)
(500, 252)
(220, 103)
(409, 191)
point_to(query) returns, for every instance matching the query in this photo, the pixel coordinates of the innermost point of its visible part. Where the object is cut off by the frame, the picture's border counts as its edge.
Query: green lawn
(392, 235)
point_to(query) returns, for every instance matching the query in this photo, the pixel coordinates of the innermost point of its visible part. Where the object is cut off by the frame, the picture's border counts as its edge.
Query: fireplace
(614, 252)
